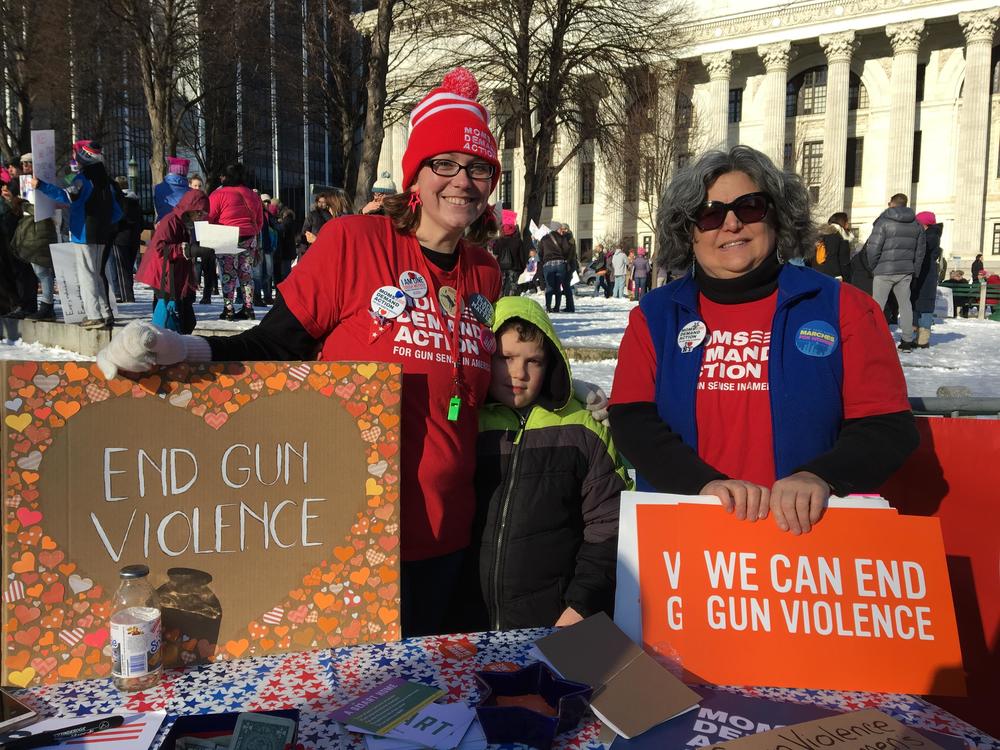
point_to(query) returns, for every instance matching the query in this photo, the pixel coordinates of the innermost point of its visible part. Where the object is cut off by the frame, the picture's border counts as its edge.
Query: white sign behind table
(43, 155)
(944, 303)
(64, 256)
(224, 240)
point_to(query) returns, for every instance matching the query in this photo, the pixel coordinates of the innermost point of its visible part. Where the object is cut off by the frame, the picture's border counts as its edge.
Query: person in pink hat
(424, 266)
(168, 193)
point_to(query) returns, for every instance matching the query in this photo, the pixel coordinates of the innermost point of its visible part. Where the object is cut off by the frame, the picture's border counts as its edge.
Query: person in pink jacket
(235, 205)
(172, 248)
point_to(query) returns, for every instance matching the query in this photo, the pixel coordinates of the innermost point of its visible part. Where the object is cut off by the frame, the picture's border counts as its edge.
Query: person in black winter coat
(833, 252)
(318, 215)
(924, 292)
(977, 268)
(509, 252)
(558, 263)
(286, 251)
(125, 249)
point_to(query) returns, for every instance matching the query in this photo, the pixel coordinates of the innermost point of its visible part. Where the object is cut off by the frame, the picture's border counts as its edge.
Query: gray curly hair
(796, 232)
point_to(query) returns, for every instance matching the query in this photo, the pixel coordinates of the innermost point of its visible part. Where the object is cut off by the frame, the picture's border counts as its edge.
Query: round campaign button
(482, 308)
(817, 338)
(388, 301)
(488, 340)
(691, 335)
(448, 298)
(413, 283)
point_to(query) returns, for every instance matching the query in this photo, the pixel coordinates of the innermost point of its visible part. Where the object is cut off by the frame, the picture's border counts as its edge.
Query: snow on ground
(962, 353)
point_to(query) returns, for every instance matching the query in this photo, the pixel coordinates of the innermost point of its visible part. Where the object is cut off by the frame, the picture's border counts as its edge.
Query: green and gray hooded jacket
(548, 482)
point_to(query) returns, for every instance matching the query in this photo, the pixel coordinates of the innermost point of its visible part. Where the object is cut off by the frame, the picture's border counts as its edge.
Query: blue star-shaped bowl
(503, 724)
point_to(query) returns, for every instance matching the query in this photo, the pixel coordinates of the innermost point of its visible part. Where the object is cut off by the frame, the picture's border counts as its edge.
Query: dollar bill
(262, 732)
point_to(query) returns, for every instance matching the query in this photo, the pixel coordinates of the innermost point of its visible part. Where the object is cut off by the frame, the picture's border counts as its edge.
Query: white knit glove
(140, 346)
(593, 397)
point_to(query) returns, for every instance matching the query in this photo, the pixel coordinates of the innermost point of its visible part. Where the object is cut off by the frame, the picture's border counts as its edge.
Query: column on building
(775, 58)
(387, 156)
(839, 49)
(569, 189)
(399, 138)
(715, 128)
(905, 39)
(611, 205)
(979, 28)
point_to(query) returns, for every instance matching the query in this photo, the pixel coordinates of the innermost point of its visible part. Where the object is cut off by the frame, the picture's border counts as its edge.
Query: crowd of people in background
(105, 218)
(900, 264)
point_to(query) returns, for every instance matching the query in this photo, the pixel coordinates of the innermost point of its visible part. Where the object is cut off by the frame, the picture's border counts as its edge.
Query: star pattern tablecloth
(316, 682)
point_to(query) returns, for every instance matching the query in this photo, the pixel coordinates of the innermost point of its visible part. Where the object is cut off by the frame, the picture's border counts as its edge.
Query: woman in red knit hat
(350, 298)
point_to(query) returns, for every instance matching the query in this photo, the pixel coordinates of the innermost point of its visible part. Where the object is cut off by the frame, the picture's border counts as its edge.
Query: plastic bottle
(135, 632)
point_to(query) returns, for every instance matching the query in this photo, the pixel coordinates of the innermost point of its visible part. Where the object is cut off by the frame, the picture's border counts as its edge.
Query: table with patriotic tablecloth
(316, 682)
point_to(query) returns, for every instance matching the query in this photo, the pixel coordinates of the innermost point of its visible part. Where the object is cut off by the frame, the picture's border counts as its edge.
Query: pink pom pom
(461, 81)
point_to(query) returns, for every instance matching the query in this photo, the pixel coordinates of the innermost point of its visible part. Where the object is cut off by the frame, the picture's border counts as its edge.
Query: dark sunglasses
(749, 209)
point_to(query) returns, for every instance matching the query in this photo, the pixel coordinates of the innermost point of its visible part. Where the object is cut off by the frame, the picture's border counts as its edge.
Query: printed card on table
(862, 602)
(262, 496)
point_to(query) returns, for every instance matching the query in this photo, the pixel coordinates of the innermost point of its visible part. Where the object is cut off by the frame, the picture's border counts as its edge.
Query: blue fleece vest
(805, 367)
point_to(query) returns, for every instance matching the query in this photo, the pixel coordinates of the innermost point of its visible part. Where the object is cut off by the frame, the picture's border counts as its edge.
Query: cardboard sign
(262, 496)
(862, 602)
(632, 692)
(858, 730)
(43, 166)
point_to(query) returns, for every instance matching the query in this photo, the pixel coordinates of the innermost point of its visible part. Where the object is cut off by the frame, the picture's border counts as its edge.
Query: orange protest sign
(863, 602)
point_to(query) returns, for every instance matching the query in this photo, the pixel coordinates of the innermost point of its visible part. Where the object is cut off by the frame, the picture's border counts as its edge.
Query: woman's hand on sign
(747, 500)
(34, 183)
(569, 617)
(798, 501)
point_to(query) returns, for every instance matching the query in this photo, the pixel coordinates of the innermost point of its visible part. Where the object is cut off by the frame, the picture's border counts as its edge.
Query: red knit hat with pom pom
(450, 119)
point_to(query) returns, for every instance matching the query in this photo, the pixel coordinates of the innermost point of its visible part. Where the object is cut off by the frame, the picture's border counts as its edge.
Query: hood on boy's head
(192, 200)
(557, 391)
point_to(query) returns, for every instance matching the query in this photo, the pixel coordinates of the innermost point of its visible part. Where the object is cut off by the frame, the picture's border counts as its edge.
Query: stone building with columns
(863, 98)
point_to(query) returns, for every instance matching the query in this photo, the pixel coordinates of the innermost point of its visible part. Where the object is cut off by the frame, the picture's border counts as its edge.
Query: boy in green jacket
(548, 481)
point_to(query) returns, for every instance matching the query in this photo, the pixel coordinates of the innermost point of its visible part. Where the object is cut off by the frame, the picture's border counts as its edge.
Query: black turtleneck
(867, 452)
(750, 287)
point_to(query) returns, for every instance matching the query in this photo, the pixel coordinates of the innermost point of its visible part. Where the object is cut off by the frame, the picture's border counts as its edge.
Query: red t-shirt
(732, 400)
(329, 292)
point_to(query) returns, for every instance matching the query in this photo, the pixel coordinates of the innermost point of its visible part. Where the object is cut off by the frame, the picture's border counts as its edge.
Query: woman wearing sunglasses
(389, 289)
(766, 384)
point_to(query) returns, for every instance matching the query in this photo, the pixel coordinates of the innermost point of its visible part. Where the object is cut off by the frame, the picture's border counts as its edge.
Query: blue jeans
(47, 278)
(619, 286)
(924, 319)
(603, 286)
(639, 286)
(263, 276)
(555, 276)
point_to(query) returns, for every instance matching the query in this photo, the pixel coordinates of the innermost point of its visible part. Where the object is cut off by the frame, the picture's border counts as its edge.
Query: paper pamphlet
(474, 739)
(386, 705)
(224, 240)
(439, 726)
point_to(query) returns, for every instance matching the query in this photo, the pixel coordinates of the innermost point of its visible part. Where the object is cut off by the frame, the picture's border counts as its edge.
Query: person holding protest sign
(766, 384)
(93, 218)
(413, 286)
